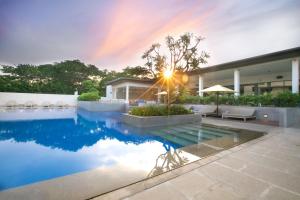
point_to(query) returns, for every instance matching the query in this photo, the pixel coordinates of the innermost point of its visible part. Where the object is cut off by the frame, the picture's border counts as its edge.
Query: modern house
(273, 72)
(132, 89)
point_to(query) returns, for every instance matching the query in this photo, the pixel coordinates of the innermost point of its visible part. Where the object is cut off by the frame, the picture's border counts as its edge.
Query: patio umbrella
(218, 89)
(162, 93)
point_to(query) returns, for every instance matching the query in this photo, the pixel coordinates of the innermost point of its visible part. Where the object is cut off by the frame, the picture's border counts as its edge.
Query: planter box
(152, 121)
(96, 106)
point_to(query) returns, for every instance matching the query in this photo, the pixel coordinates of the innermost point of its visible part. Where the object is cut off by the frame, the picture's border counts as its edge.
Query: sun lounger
(30, 104)
(11, 104)
(59, 104)
(46, 104)
(205, 110)
(239, 113)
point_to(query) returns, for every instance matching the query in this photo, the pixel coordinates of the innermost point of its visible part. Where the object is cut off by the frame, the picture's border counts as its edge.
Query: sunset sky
(113, 34)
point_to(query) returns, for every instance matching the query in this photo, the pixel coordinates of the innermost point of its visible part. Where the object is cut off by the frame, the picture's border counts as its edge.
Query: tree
(59, 78)
(138, 72)
(89, 86)
(183, 55)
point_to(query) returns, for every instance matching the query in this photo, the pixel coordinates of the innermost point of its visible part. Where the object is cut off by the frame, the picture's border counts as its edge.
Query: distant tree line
(69, 76)
(61, 78)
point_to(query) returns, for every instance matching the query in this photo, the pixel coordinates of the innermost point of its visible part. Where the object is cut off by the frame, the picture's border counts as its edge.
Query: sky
(113, 34)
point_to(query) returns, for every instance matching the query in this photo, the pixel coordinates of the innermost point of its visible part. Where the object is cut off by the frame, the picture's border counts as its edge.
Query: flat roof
(279, 55)
(127, 79)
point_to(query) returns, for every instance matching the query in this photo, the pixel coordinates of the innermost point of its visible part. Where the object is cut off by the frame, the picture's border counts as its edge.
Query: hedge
(285, 99)
(159, 110)
(89, 96)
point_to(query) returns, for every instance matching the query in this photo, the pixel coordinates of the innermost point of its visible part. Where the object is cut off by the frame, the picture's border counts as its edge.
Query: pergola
(131, 89)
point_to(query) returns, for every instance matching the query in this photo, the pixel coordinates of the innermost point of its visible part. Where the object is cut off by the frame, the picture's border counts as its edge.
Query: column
(158, 95)
(201, 85)
(127, 94)
(295, 75)
(237, 82)
(109, 91)
(114, 96)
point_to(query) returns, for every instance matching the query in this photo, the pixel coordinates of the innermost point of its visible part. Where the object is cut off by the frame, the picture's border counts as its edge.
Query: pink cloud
(134, 27)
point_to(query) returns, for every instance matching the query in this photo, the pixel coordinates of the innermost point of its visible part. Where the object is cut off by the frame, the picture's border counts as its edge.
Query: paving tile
(262, 160)
(164, 191)
(219, 191)
(279, 194)
(123, 192)
(233, 163)
(191, 183)
(243, 184)
(275, 177)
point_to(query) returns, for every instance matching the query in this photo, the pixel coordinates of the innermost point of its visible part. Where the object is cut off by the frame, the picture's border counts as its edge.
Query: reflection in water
(36, 150)
(70, 134)
(169, 160)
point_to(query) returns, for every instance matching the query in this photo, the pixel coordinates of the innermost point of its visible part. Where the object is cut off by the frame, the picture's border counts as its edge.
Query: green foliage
(59, 78)
(159, 110)
(89, 96)
(183, 51)
(285, 99)
(62, 78)
(89, 86)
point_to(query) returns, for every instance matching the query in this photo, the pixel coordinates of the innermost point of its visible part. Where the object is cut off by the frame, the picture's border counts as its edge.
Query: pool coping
(148, 183)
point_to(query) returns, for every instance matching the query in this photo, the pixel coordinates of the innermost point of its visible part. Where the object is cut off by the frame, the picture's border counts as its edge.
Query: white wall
(39, 99)
(96, 106)
(38, 114)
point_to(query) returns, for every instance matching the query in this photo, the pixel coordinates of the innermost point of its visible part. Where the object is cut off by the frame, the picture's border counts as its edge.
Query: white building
(271, 73)
(132, 89)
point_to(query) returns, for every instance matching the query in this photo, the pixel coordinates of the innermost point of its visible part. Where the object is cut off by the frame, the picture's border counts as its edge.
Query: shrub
(159, 110)
(285, 99)
(89, 96)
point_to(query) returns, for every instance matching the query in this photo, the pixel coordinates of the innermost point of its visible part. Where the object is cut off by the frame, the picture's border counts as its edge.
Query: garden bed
(153, 121)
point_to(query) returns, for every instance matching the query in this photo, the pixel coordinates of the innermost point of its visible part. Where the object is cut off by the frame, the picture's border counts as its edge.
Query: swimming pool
(43, 144)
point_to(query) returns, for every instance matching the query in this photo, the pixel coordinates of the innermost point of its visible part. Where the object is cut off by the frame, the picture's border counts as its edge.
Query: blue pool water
(45, 144)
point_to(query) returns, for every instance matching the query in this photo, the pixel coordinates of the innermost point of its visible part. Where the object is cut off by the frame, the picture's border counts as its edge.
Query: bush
(89, 96)
(159, 110)
(285, 99)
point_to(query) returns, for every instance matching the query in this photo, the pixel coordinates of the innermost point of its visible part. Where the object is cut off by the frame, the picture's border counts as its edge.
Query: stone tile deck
(265, 168)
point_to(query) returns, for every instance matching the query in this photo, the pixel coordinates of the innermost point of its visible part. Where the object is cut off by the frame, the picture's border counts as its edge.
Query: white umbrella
(218, 89)
(162, 93)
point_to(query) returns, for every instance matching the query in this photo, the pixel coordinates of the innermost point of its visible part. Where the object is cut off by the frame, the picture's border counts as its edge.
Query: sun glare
(168, 73)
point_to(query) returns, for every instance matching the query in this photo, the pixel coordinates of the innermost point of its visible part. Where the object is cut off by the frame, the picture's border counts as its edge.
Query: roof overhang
(130, 80)
(279, 55)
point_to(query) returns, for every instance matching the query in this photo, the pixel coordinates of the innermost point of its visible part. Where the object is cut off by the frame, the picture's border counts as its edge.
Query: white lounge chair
(239, 113)
(205, 110)
(11, 104)
(30, 104)
(46, 104)
(59, 104)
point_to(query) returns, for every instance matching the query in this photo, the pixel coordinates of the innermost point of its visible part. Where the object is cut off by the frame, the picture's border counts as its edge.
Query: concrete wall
(153, 121)
(38, 114)
(97, 106)
(284, 116)
(39, 99)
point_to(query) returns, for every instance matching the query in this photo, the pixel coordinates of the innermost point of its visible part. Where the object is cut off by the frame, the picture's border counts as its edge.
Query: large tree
(63, 77)
(182, 55)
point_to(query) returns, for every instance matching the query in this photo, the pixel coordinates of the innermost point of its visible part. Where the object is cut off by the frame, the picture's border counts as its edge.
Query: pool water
(38, 145)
